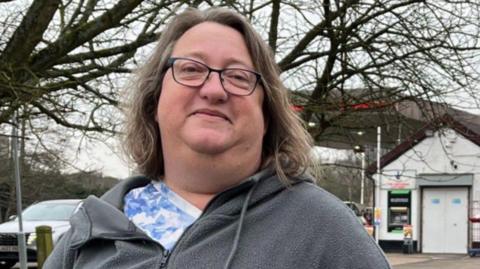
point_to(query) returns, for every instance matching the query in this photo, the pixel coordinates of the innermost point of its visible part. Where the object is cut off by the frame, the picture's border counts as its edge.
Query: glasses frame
(171, 62)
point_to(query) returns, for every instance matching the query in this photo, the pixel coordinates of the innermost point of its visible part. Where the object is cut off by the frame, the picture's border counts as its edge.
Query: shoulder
(328, 221)
(325, 213)
(319, 201)
(302, 196)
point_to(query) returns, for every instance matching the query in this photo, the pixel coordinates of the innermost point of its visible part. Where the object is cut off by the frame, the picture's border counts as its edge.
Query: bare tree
(43, 178)
(351, 57)
(342, 177)
(65, 60)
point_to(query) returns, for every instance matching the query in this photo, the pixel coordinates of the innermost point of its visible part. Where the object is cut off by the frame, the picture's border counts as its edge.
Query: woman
(223, 160)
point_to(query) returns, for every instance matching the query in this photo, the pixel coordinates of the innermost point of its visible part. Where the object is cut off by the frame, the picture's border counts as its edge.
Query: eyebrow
(230, 60)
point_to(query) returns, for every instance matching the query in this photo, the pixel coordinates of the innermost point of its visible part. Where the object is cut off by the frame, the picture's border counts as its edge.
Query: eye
(190, 68)
(239, 76)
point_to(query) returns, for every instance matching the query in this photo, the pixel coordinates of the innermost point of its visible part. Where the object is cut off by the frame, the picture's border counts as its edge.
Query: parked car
(53, 213)
(364, 215)
(356, 207)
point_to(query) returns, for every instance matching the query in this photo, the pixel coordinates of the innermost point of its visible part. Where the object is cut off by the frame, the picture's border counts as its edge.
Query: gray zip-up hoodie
(259, 224)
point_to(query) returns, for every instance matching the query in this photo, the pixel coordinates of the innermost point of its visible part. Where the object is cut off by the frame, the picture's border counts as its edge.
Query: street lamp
(361, 149)
(358, 149)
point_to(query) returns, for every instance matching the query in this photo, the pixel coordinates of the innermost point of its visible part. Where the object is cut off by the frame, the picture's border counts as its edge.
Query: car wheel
(7, 264)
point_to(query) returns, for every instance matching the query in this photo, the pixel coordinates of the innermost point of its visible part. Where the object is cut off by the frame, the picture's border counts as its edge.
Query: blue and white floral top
(160, 213)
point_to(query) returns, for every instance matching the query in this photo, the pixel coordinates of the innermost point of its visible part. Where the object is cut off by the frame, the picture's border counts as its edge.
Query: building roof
(462, 122)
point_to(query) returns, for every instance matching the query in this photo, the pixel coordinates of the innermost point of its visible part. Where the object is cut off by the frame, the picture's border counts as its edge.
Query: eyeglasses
(191, 73)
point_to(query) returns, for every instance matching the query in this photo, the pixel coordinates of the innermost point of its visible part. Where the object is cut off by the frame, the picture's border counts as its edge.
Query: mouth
(211, 113)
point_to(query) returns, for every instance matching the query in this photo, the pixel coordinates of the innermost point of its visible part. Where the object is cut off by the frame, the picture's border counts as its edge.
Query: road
(426, 261)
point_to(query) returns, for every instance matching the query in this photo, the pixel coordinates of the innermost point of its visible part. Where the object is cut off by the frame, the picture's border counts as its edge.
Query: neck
(199, 178)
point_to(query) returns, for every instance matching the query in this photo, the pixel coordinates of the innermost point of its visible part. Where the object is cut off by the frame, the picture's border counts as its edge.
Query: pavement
(433, 261)
(414, 261)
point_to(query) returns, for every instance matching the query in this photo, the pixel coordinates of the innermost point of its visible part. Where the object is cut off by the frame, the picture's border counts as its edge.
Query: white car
(53, 213)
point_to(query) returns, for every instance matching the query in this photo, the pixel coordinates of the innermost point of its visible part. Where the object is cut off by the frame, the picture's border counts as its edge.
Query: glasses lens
(189, 72)
(239, 81)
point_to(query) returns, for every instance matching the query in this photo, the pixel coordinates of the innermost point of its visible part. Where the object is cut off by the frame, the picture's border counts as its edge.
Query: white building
(432, 182)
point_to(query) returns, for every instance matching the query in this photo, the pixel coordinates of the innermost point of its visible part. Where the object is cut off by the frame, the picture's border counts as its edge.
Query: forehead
(214, 43)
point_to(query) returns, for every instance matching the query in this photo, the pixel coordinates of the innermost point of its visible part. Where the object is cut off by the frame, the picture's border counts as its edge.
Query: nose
(212, 89)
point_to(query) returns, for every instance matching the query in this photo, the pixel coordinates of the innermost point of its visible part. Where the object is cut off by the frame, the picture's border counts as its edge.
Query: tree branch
(272, 34)
(29, 33)
(58, 119)
(75, 37)
(142, 40)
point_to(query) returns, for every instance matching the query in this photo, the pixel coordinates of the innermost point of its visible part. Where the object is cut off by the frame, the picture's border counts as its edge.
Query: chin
(209, 148)
(208, 140)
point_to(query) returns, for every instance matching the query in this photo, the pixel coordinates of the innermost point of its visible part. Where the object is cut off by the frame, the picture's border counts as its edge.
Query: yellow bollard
(44, 244)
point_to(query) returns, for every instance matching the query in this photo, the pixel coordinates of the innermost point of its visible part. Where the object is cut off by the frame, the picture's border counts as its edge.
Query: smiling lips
(213, 113)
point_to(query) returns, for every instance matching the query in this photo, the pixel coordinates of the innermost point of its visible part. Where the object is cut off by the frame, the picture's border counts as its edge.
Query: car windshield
(49, 211)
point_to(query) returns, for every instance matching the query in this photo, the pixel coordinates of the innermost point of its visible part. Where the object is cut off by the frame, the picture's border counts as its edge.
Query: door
(445, 220)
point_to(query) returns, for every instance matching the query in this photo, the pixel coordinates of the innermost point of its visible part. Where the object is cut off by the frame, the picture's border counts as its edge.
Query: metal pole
(362, 183)
(379, 177)
(22, 248)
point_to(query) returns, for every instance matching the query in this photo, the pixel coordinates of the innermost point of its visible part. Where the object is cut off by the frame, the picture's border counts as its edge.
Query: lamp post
(378, 182)
(362, 182)
(360, 149)
(22, 249)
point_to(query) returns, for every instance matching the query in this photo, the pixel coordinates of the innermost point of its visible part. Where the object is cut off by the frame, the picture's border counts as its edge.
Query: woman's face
(206, 119)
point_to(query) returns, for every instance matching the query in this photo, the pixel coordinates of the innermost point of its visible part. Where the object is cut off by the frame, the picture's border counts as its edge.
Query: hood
(98, 219)
(29, 226)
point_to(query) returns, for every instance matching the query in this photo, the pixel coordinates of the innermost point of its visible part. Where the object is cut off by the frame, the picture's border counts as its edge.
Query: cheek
(255, 120)
(164, 101)
(173, 104)
(166, 98)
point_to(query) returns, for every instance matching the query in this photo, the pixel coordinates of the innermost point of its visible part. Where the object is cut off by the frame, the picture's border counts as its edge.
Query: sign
(9, 248)
(407, 231)
(377, 216)
(399, 200)
(398, 180)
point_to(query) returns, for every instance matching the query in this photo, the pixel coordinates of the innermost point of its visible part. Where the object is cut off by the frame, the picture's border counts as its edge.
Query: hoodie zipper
(164, 261)
(206, 211)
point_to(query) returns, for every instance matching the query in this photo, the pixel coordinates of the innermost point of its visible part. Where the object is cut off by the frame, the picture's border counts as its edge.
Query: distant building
(431, 181)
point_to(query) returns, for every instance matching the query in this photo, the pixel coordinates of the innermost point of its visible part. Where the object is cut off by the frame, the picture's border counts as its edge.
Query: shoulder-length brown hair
(286, 144)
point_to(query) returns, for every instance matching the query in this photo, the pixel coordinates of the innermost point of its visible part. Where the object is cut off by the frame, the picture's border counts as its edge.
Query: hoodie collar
(99, 219)
(104, 218)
